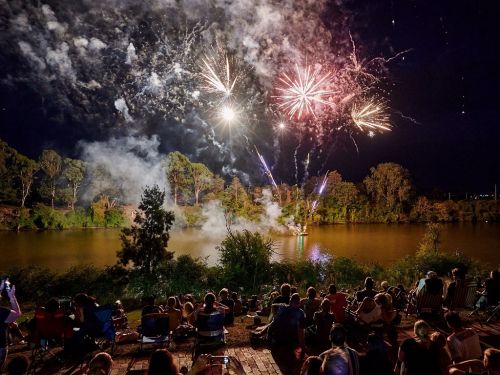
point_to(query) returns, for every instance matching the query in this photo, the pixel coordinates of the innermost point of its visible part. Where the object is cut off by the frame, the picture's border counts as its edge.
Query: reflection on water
(365, 243)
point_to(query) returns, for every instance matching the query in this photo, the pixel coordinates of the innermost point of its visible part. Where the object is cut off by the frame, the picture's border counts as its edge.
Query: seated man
(310, 305)
(463, 342)
(335, 362)
(367, 291)
(150, 307)
(338, 336)
(286, 334)
(323, 321)
(284, 297)
(432, 284)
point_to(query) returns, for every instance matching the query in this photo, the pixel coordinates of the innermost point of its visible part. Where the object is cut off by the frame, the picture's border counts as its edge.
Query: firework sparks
(218, 76)
(266, 169)
(370, 116)
(227, 114)
(320, 192)
(298, 94)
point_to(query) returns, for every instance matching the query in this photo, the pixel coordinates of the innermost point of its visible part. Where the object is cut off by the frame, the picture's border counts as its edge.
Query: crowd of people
(331, 332)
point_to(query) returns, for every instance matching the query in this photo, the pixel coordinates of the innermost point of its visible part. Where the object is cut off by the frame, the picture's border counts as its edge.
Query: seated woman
(368, 311)
(204, 316)
(174, 314)
(188, 313)
(388, 313)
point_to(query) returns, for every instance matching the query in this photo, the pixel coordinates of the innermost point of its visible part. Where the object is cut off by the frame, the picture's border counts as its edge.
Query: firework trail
(306, 168)
(299, 93)
(266, 169)
(320, 192)
(296, 164)
(370, 116)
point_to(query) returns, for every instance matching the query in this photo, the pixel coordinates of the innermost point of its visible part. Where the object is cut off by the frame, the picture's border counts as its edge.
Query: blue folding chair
(155, 329)
(210, 334)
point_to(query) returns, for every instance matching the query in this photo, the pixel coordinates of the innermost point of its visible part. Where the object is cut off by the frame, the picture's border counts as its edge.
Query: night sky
(443, 94)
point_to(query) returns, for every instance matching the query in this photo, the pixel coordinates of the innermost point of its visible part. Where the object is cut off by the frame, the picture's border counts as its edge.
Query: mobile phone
(219, 360)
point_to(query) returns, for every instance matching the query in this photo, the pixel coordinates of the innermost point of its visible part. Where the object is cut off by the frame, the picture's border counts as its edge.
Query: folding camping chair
(154, 329)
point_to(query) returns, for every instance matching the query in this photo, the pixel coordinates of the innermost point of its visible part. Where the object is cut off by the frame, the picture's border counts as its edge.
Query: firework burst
(219, 74)
(371, 116)
(299, 93)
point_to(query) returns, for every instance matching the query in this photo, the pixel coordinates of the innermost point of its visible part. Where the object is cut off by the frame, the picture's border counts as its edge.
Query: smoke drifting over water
(132, 163)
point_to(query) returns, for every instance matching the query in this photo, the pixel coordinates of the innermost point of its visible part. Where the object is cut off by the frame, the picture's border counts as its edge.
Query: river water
(381, 243)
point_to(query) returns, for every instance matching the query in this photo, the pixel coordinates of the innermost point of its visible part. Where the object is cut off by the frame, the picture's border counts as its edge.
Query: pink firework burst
(299, 93)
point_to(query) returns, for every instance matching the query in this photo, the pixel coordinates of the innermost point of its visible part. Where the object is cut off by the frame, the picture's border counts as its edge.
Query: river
(381, 243)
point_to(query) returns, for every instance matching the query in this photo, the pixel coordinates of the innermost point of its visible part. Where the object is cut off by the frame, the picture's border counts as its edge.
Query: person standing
(7, 316)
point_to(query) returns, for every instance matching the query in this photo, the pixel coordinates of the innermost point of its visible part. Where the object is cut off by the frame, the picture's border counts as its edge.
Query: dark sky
(448, 84)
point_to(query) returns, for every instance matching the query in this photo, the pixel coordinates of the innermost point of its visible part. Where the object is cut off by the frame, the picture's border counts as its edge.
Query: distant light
(228, 114)
(282, 125)
(371, 134)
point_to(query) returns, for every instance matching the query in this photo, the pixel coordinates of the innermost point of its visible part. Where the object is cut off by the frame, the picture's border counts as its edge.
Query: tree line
(49, 193)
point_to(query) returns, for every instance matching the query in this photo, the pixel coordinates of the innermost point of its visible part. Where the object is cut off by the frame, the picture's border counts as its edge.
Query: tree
(422, 210)
(178, 174)
(236, 200)
(25, 173)
(388, 184)
(50, 164)
(246, 259)
(144, 243)
(334, 178)
(74, 172)
(431, 240)
(202, 179)
(345, 193)
(7, 156)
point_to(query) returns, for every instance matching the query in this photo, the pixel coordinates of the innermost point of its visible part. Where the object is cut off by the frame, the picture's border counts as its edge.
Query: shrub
(245, 258)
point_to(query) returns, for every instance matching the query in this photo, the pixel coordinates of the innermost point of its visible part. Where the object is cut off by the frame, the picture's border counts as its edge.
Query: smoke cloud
(129, 164)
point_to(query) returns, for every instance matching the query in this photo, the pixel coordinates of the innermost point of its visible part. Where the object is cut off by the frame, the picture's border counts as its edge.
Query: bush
(113, 218)
(246, 260)
(79, 218)
(45, 217)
